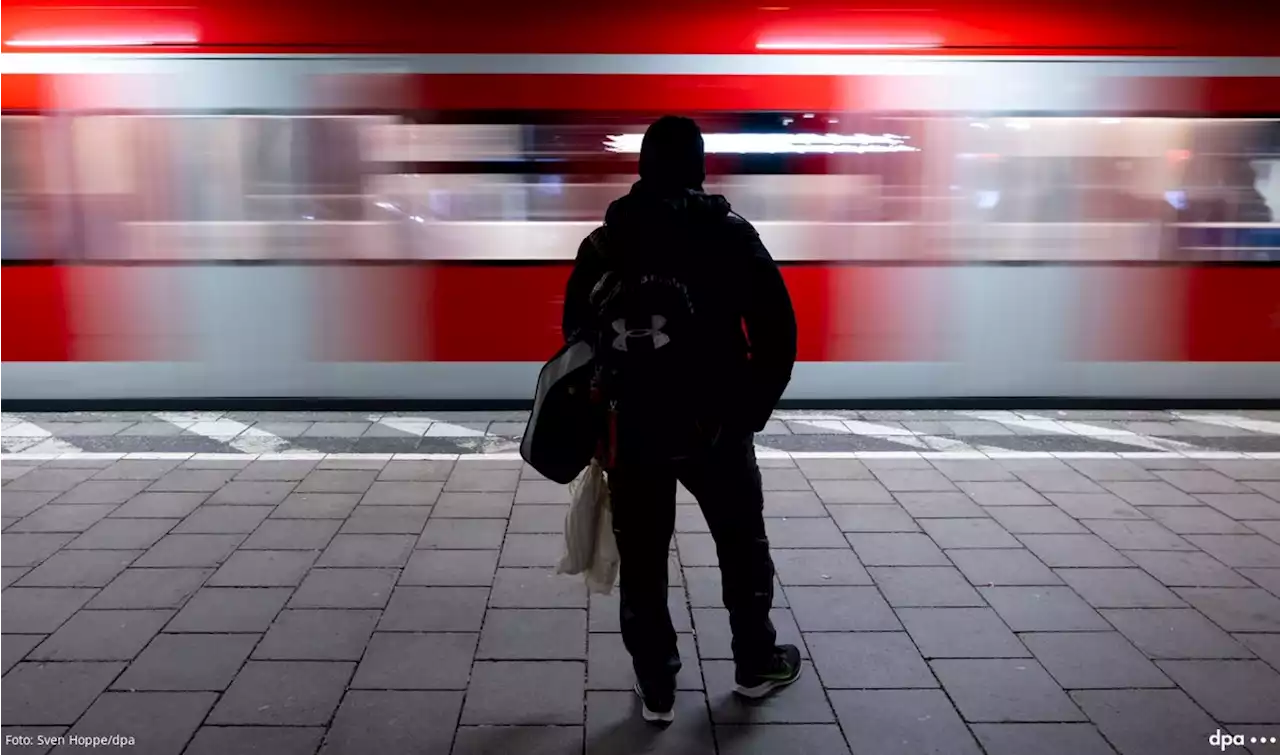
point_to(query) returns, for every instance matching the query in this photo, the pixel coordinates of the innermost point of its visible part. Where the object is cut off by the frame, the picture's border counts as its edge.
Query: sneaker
(656, 710)
(782, 669)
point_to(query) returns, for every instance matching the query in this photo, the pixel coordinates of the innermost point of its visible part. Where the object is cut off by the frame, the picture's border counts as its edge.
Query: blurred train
(323, 200)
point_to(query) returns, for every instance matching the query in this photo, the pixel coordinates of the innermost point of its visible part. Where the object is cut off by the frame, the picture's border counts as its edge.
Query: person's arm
(587, 269)
(771, 330)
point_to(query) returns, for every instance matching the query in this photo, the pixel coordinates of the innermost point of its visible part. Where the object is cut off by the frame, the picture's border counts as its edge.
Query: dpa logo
(654, 332)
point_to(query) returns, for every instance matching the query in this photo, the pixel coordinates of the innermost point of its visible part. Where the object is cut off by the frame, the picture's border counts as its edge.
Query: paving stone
(1186, 569)
(317, 506)
(292, 534)
(224, 609)
(614, 725)
(1235, 609)
(223, 520)
(1148, 721)
(1269, 529)
(469, 534)
(696, 549)
(480, 479)
(817, 566)
(902, 722)
(120, 534)
(159, 506)
(530, 740)
(914, 480)
(537, 588)
(714, 636)
(337, 481)
(252, 493)
(873, 518)
(534, 634)
(783, 479)
(968, 533)
(1106, 470)
(795, 533)
(1230, 691)
(1054, 481)
(1151, 494)
(450, 568)
(367, 551)
(292, 470)
(1094, 506)
(792, 503)
(1175, 634)
(193, 480)
(1094, 660)
(101, 636)
(102, 492)
(609, 664)
(61, 518)
(840, 609)
(972, 470)
(40, 610)
(542, 492)
(960, 633)
(603, 611)
(897, 549)
(1003, 494)
(256, 740)
(794, 739)
(275, 693)
(150, 588)
(137, 469)
(388, 493)
(1200, 481)
(387, 520)
(394, 722)
(16, 647)
(53, 693)
(1267, 646)
(48, 479)
(1042, 739)
(1245, 469)
(924, 586)
(1035, 520)
(868, 660)
(79, 569)
(1240, 550)
(939, 505)
(805, 700)
(688, 518)
(1074, 550)
(474, 506)
(997, 690)
(188, 662)
(11, 574)
(532, 550)
(190, 550)
(405, 470)
(1002, 566)
(1137, 535)
(851, 491)
(1267, 579)
(263, 569)
(31, 548)
(834, 469)
(1245, 506)
(19, 503)
(524, 692)
(1195, 520)
(317, 635)
(435, 609)
(533, 519)
(345, 588)
(1044, 609)
(1119, 588)
(402, 660)
(161, 722)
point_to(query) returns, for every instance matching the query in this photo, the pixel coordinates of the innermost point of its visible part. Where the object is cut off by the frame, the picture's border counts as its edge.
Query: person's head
(671, 155)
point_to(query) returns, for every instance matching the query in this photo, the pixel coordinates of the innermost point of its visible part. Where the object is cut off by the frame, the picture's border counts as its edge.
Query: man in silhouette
(696, 338)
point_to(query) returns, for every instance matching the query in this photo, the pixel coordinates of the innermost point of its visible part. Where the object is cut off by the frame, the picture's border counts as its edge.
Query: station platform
(961, 583)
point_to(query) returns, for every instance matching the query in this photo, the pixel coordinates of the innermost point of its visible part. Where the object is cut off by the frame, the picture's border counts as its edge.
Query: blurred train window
(37, 217)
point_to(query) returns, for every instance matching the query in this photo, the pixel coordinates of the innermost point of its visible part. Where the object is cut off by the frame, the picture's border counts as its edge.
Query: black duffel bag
(561, 436)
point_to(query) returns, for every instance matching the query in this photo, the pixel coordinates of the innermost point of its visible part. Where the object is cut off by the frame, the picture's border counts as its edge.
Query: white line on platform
(1067, 427)
(238, 435)
(1230, 420)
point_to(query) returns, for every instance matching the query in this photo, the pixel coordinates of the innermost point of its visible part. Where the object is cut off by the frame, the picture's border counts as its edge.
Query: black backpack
(653, 381)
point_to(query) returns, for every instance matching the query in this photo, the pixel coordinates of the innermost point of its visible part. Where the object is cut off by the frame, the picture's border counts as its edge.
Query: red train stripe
(36, 313)
(1232, 314)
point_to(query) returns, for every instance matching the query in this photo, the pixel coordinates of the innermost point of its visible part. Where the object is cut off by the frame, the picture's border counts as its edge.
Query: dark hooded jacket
(736, 279)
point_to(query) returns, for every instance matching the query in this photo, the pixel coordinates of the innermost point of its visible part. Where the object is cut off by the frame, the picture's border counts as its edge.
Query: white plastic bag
(590, 548)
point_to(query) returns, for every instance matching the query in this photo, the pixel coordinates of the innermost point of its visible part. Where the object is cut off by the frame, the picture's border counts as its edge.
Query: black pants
(726, 483)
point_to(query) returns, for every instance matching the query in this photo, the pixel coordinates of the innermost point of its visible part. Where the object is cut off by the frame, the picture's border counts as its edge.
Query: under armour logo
(660, 339)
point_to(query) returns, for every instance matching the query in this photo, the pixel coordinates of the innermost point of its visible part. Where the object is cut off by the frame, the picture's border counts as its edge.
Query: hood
(653, 212)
